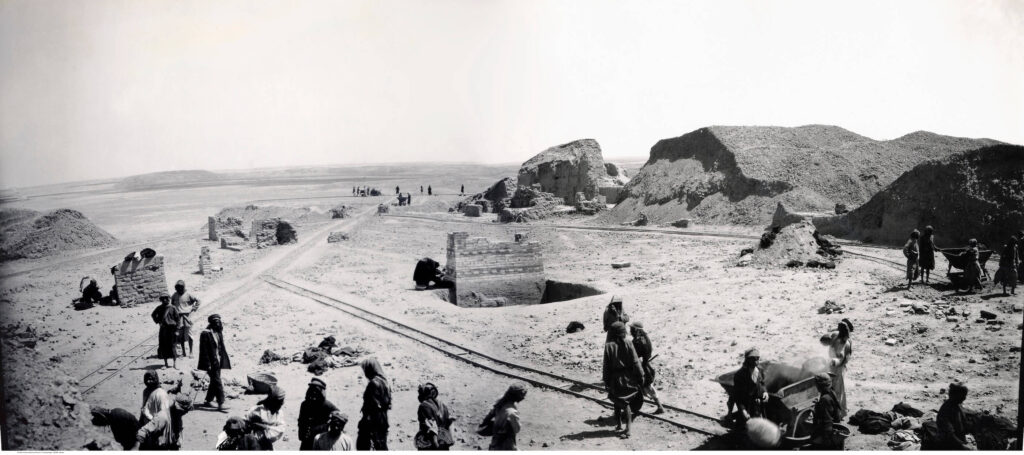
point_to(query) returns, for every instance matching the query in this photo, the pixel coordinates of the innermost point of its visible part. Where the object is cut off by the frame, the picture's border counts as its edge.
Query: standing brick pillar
(494, 273)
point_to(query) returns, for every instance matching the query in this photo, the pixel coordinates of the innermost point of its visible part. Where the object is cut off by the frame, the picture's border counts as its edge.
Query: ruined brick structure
(205, 262)
(218, 227)
(140, 280)
(494, 273)
(471, 210)
(273, 231)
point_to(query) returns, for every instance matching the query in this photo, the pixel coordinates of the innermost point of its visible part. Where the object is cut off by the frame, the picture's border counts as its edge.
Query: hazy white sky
(104, 88)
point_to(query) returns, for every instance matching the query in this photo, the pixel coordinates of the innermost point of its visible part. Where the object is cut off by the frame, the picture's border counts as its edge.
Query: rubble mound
(30, 234)
(250, 213)
(528, 204)
(567, 169)
(737, 174)
(975, 194)
(340, 211)
(789, 246)
(43, 409)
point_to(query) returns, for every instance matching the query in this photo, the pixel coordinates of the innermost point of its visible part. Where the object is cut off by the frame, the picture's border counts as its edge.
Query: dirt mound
(43, 409)
(252, 212)
(976, 194)
(567, 169)
(790, 246)
(29, 234)
(737, 175)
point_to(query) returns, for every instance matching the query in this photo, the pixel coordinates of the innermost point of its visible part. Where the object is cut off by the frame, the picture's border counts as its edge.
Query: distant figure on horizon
(396, 190)
(430, 191)
(926, 261)
(462, 190)
(421, 189)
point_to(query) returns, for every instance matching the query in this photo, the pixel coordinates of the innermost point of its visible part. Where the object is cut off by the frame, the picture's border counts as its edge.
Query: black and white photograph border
(511, 225)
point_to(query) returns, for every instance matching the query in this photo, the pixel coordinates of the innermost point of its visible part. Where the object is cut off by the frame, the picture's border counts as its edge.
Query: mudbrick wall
(494, 273)
(205, 263)
(140, 280)
(218, 227)
(273, 231)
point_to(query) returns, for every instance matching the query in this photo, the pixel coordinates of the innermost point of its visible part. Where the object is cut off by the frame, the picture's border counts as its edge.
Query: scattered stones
(831, 307)
(621, 265)
(336, 237)
(890, 342)
(987, 314)
(683, 223)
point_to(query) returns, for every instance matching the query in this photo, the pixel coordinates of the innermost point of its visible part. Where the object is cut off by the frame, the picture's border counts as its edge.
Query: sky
(107, 88)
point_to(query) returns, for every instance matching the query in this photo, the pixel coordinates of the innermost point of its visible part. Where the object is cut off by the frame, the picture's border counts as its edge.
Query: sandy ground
(700, 309)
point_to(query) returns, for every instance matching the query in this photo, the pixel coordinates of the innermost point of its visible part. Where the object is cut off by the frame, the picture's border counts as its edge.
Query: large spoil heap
(568, 169)
(737, 175)
(976, 194)
(489, 273)
(30, 234)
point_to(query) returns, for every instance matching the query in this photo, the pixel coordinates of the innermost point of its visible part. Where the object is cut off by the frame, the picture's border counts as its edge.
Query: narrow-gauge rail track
(682, 418)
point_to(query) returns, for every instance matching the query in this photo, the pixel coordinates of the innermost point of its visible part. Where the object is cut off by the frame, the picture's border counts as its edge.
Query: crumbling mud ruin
(574, 173)
(737, 174)
(140, 280)
(495, 274)
(275, 231)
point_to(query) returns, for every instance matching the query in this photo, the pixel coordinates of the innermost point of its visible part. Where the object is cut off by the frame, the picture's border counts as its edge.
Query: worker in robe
(623, 375)
(748, 387)
(314, 413)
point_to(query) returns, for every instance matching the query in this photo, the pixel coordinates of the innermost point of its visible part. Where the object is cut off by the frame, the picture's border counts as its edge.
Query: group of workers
(321, 425)
(920, 253)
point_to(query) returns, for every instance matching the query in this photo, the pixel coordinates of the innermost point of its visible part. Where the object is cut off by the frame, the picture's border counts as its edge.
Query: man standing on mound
(213, 357)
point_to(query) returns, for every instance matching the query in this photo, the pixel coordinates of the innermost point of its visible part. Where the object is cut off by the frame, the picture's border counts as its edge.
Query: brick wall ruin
(140, 280)
(494, 273)
(273, 231)
(205, 262)
(218, 227)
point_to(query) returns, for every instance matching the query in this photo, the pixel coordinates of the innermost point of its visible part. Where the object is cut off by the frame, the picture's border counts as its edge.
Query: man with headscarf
(373, 426)
(840, 349)
(266, 421)
(314, 413)
(614, 313)
(622, 374)
(435, 420)
(181, 404)
(185, 303)
(826, 413)
(158, 433)
(236, 436)
(644, 350)
(748, 387)
(213, 358)
(154, 397)
(334, 438)
(169, 319)
(122, 424)
(505, 418)
(951, 421)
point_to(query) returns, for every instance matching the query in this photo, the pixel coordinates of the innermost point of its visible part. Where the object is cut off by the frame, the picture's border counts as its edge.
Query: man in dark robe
(373, 427)
(213, 358)
(826, 413)
(623, 375)
(748, 387)
(314, 413)
(614, 313)
(122, 424)
(644, 350)
(951, 421)
(91, 293)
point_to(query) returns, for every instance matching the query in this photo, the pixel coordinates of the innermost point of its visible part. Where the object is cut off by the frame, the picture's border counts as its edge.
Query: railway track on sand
(682, 418)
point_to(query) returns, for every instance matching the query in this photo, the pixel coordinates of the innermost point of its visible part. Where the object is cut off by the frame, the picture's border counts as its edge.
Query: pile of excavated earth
(43, 409)
(31, 234)
(738, 174)
(976, 194)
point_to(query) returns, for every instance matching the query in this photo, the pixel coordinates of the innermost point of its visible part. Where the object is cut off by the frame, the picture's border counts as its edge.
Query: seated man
(91, 293)
(951, 421)
(826, 413)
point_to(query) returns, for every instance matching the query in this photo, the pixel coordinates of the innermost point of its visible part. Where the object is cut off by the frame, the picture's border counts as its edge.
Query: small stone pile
(790, 246)
(336, 237)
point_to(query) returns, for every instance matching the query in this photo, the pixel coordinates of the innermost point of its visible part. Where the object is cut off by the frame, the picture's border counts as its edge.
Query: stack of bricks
(140, 280)
(471, 210)
(485, 272)
(205, 263)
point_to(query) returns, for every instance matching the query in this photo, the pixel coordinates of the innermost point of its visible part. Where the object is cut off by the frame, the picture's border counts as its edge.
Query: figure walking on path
(213, 358)
(504, 418)
(435, 419)
(622, 374)
(644, 350)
